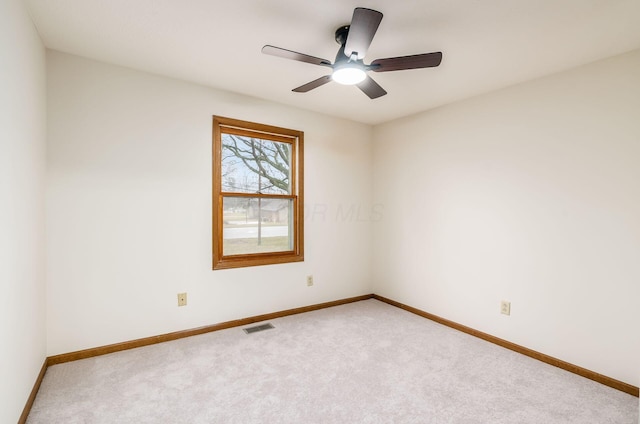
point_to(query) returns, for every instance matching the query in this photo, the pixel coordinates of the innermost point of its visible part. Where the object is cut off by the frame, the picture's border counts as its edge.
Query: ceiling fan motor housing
(341, 34)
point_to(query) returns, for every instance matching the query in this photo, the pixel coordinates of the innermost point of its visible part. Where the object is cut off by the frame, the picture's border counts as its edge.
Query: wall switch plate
(505, 307)
(309, 280)
(182, 299)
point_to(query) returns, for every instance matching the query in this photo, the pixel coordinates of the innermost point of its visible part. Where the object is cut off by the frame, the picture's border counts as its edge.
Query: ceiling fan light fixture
(348, 75)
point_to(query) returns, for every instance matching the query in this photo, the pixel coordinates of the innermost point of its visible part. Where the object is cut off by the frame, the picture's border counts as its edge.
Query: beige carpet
(365, 362)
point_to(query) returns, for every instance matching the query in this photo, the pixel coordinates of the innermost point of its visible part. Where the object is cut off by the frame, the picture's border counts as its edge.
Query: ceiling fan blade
(289, 54)
(426, 60)
(364, 25)
(313, 84)
(371, 88)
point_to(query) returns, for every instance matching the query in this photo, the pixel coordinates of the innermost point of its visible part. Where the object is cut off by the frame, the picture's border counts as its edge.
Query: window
(257, 194)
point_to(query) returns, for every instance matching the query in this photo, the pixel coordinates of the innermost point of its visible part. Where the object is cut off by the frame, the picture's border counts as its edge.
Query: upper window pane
(255, 165)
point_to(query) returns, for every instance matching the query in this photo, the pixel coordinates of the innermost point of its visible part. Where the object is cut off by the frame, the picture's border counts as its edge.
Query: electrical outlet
(182, 299)
(309, 280)
(505, 307)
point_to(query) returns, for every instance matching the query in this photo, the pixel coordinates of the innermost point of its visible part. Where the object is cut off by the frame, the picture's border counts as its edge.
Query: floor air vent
(262, 327)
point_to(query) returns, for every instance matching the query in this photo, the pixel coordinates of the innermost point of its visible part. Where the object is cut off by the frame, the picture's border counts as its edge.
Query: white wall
(129, 208)
(22, 170)
(530, 194)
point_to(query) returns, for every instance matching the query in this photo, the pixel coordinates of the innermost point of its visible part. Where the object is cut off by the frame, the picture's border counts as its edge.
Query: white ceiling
(486, 44)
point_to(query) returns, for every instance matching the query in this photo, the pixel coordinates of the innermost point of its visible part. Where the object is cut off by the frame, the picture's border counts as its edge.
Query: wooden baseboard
(32, 396)
(103, 350)
(591, 375)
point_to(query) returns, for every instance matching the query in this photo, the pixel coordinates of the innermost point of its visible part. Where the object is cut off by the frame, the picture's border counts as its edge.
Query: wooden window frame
(296, 139)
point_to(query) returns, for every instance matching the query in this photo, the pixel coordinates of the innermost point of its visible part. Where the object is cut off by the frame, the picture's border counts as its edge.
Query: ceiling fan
(348, 67)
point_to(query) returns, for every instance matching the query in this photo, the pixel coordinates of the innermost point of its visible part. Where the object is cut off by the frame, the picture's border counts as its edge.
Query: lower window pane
(256, 225)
